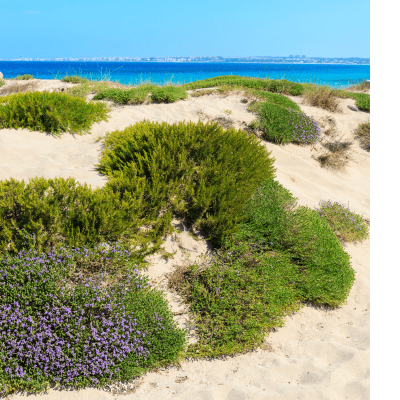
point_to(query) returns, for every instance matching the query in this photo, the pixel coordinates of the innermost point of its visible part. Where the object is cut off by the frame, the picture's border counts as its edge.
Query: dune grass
(74, 79)
(50, 112)
(322, 97)
(2, 82)
(363, 133)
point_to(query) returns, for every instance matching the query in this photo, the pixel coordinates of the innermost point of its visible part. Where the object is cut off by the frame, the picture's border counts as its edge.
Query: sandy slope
(318, 354)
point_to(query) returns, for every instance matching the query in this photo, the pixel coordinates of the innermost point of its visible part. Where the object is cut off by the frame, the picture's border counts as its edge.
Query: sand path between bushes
(317, 354)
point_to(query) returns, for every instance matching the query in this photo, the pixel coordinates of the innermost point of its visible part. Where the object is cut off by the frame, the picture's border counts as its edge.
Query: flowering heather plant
(282, 125)
(82, 333)
(347, 225)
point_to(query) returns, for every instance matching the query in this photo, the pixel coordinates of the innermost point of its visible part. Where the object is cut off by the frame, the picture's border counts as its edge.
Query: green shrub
(362, 99)
(25, 77)
(275, 98)
(236, 300)
(271, 85)
(347, 225)
(325, 276)
(74, 79)
(59, 212)
(50, 112)
(197, 171)
(125, 96)
(168, 94)
(282, 125)
(2, 82)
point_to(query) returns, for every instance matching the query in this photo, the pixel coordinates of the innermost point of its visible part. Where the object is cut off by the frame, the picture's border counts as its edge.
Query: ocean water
(333, 75)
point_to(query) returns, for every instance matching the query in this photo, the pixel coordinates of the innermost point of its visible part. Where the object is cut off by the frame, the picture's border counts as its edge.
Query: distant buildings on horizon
(298, 59)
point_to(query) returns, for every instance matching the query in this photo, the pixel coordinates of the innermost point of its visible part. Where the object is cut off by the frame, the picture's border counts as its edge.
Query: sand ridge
(318, 354)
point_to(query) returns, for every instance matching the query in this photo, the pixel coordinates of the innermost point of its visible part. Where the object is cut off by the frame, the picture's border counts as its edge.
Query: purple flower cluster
(305, 129)
(60, 332)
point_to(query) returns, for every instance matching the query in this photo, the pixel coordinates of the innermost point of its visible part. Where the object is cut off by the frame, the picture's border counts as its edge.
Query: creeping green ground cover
(280, 257)
(75, 309)
(50, 112)
(25, 77)
(137, 95)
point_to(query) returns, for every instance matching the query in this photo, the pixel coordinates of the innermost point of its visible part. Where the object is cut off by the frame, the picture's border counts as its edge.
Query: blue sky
(158, 28)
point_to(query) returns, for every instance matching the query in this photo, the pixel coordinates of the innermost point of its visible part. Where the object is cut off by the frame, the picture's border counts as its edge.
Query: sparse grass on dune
(18, 87)
(363, 133)
(322, 97)
(50, 112)
(74, 79)
(362, 87)
(2, 82)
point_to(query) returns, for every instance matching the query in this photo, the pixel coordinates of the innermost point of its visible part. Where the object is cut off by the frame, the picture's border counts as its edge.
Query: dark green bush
(125, 96)
(197, 171)
(74, 79)
(25, 77)
(50, 112)
(362, 99)
(282, 125)
(168, 94)
(324, 272)
(62, 212)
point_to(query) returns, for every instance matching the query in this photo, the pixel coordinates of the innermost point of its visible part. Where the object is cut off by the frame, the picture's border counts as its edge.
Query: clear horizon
(45, 29)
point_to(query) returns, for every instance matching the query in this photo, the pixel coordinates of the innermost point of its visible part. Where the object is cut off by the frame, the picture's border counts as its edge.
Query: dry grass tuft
(322, 97)
(334, 153)
(225, 122)
(18, 87)
(361, 87)
(363, 133)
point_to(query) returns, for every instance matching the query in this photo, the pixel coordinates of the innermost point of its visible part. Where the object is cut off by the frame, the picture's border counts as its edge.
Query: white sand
(317, 354)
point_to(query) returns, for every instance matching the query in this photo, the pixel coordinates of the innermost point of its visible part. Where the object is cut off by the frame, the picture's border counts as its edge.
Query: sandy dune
(318, 354)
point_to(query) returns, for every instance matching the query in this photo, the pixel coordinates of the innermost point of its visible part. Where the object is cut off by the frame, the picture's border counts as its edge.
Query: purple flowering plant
(58, 329)
(348, 226)
(283, 125)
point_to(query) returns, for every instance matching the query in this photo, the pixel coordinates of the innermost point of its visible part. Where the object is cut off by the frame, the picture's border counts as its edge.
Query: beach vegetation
(50, 112)
(281, 257)
(197, 171)
(363, 134)
(74, 79)
(62, 327)
(347, 225)
(334, 152)
(25, 77)
(137, 95)
(283, 125)
(2, 82)
(323, 97)
(361, 87)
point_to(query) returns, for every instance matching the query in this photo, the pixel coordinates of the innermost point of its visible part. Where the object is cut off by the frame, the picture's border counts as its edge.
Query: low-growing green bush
(25, 77)
(275, 98)
(74, 79)
(282, 125)
(272, 221)
(277, 86)
(50, 112)
(2, 82)
(198, 171)
(167, 94)
(281, 256)
(236, 300)
(60, 211)
(348, 226)
(362, 99)
(61, 330)
(125, 96)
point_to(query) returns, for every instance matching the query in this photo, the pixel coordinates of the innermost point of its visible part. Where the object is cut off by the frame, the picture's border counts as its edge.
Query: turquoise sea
(333, 75)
